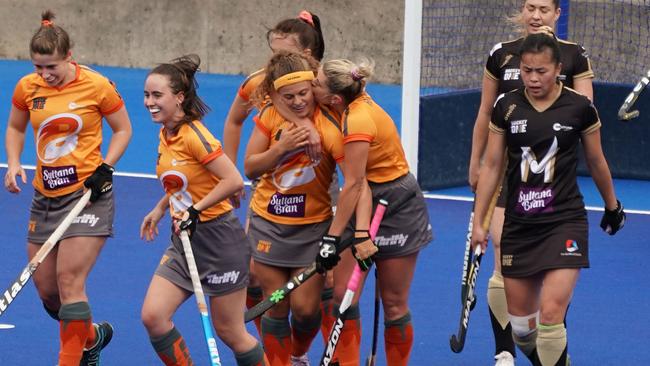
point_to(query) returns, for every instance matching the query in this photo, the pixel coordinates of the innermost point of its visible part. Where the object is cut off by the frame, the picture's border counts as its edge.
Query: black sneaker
(103, 335)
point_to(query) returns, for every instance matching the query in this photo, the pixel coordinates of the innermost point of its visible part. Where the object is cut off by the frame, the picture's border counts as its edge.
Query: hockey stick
(370, 361)
(352, 287)
(10, 294)
(457, 341)
(467, 257)
(200, 300)
(623, 113)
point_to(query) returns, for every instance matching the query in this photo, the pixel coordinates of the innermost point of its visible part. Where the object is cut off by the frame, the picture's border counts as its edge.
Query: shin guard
(171, 349)
(398, 340)
(75, 327)
(552, 345)
(276, 336)
(498, 308)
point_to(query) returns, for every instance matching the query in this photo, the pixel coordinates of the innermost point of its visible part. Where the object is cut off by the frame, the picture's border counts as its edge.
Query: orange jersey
(181, 168)
(295, 192)
(365, 120)
(251, 83)
(67, 126)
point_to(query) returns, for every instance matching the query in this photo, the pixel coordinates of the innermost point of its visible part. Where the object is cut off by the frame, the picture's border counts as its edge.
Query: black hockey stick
(623, 113)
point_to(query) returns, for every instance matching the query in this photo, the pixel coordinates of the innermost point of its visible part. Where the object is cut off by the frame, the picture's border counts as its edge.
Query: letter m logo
(529, 163)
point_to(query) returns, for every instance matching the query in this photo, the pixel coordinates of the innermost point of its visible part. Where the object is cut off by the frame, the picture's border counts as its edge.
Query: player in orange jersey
(197, 178)
(65, 103)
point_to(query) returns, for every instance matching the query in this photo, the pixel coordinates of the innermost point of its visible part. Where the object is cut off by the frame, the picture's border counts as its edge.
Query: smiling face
(55, 69)
(160, 100)
(539, 73)
(538, 13)
(299, 98)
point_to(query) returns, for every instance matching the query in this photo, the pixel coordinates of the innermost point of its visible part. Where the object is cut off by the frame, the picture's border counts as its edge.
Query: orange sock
(276, 335)
(75, 326)
(327, 311)
(398, 340)
(347, 350)
(303, 333)
(254, 357)
(171, 349)
(253, 297)
(92, 337)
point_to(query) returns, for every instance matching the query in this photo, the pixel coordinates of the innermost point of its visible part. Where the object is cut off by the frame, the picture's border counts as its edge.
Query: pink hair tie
(306, 17)
(355, 74)
(47, 23)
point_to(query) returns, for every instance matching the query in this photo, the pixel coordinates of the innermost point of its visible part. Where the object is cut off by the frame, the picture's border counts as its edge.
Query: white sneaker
(504, 359)
(302, 360)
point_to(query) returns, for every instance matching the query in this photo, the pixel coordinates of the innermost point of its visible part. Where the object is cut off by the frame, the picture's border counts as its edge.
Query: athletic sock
(75, 325)
(398, 340)
(552, 345)
(498, 308)
(171, 349)
(276, 335)
(54, 314)
(253, 297)
(327, 312)
(527, 344)
(303, 333)
(347, 350)
(254, 357)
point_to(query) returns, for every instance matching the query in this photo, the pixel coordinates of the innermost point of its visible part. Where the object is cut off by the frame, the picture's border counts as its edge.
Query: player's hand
(100, 182)
(472, 174)
(149, 226)
(10, 178)
(189, 221)
(327, 256)
(235, 199)
(613, 220)
(314, 148)
(479, 237)
(363, 249)
(293, 138)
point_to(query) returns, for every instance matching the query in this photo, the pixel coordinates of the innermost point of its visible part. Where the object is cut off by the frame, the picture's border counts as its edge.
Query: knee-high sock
(253, 297)
(398, 340)
(303, 333)
(347, 350)
(254, 357)
(527, 344)
(75, 326)
(327, 312)
(171, 349)
(498, 307)
(552, 345)
(276, 335)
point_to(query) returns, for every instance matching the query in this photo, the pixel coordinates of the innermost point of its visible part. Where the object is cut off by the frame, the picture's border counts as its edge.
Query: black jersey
(503, 64)
(542, 151)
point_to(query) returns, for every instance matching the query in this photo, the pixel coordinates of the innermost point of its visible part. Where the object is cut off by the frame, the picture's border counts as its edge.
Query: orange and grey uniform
(388, 175)
(220, 246)
(292, 207)
(67, 125)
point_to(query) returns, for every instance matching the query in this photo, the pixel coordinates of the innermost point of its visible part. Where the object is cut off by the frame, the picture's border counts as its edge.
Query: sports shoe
(103, 335)
(300, 360)
(504, 359)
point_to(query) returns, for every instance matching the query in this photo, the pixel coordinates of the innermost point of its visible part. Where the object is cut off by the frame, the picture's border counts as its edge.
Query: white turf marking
(426, 195)
(7, 326)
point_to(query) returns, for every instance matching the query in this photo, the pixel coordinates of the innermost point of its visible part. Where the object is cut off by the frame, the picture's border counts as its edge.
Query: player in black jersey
(545, 235)
(502, 75)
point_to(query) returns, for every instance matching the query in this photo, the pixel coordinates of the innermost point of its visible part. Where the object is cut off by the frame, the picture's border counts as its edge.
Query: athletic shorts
(527, 249)
(46, 213)
(222, 254)
(404, 230)
(280, 245)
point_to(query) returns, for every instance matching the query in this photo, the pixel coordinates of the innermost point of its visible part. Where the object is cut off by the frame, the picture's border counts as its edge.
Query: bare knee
(552, 312)
(70, 285)
(155, 322)
(394, 308)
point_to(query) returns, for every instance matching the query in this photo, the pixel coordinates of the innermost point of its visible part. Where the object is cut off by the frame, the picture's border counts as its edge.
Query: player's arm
(121, 126)
(313, 147)
(14, 144)
(595, 160)
(239, 111)
(149, 226)
(230, 182)
(489, 92)
(585, 87)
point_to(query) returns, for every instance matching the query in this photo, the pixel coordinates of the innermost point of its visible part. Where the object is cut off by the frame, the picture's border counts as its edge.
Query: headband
(306, 17)
(47, 23)
(292, 78)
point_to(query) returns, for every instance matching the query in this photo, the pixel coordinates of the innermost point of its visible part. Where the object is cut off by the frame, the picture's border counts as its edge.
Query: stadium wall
(228, 35)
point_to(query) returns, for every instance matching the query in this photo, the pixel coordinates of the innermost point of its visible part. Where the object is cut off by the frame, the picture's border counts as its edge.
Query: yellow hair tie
(292, 78)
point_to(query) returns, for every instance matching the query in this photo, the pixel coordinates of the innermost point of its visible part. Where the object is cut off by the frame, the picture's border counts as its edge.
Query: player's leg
(76, 257)
(496, 297)
(160, 303)
(523, 309)
(305, 316)
(276, 331)
(45, 280)
(228, 321)
(556, 294)
(327, 306)
(395, 276)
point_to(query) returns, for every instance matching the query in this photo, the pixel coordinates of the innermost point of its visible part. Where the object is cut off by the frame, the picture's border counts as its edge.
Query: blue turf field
(607, 323)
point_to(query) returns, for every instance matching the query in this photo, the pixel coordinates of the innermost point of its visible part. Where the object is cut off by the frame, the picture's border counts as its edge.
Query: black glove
(613, 220)
(364, 264)
(327, 256)
(100, 182)
(190, 223)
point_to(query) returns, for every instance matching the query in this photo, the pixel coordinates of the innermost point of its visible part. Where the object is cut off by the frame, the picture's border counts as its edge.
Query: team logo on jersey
(294, 170)
(72, 106)
(518, 126)
(263, 246)
(529, 162)
(561, 127)
(57, 136)
(506, 60)
(571, 249)
(511, 108)
(175, 184)
(38, 103)
(511, 74)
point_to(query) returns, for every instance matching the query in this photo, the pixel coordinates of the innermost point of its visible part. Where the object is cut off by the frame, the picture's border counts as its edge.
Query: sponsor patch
(59, 177)
(287, 205)
(534, 200)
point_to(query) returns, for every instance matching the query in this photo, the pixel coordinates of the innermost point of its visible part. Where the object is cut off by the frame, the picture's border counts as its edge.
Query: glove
(613, 220)
(189, 224)
(327, 256)
(363, 243)
(100, 182)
